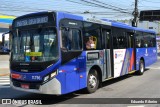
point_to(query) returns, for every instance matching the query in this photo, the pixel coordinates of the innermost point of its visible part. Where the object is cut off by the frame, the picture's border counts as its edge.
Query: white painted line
(5, 83)
(4, 80)
(8, 86)
(136, 106)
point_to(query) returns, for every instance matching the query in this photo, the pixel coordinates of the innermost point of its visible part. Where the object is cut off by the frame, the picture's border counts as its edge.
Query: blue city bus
(58, 53)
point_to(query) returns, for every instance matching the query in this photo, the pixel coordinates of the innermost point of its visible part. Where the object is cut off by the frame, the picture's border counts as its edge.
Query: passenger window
(145, 40)
(139, 40)
(91, 37)
(119, 39)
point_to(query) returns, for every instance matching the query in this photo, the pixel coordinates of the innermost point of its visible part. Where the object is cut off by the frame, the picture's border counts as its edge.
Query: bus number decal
(36, 77)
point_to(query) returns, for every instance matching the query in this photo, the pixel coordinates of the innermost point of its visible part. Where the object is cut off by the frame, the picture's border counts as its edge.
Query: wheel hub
(92, 81)
(142, 67)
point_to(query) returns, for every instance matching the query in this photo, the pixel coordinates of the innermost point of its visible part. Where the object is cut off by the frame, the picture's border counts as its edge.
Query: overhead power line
(103, 6)
(109, 5)
(96, 3)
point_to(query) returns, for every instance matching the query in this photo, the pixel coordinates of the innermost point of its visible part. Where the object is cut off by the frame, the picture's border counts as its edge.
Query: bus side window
(64, 33)
(92, 37)
(71, 39)
(138, 43)
(139, 40)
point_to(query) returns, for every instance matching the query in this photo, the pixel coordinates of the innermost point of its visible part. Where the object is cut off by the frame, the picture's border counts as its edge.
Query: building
(151, 25)
(5, 22)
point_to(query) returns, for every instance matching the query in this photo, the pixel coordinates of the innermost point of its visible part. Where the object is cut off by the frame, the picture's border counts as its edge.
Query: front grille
(35, 85)
(29, 67)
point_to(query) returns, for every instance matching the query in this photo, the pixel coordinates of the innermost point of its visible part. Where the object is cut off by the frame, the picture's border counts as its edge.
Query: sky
(110, 9)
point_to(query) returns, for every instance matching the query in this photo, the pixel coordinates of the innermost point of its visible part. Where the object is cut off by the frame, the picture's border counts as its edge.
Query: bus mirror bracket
(3, 37)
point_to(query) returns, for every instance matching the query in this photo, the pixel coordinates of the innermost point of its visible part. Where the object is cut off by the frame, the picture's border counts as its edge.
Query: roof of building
(6, 19)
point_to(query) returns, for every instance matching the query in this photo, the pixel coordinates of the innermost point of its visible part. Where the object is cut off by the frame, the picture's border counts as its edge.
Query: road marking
(136, 106)
(8, 86)
(153, 67)
(4, 80)
(5, 83)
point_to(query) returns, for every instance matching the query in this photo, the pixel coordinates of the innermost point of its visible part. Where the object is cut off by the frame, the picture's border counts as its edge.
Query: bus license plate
(26, 86)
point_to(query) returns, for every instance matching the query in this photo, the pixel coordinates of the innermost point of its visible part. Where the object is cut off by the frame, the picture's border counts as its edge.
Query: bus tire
(141, 67)
(92, 81)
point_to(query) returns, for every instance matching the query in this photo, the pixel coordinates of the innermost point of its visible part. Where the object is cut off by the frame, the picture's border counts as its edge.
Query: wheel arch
(99, 71)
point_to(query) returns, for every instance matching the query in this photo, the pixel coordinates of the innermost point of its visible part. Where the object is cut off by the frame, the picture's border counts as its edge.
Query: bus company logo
(118, 55)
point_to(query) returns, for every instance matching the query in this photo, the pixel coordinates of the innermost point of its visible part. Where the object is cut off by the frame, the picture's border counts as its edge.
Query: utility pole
(135, 14)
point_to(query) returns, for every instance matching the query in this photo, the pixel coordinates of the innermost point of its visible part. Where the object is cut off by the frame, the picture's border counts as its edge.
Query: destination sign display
(31, 21)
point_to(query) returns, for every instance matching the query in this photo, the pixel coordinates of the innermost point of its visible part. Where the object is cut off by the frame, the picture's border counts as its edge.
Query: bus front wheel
(92, 81)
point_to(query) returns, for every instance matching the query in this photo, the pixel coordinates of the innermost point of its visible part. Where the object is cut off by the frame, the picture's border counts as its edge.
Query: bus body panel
(94, 58)
(149, 55)
(123, 61)
(73, 74)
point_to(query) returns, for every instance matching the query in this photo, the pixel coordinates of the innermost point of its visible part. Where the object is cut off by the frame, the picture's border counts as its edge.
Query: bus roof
(123, 25)
(107, 22)
(95, 20)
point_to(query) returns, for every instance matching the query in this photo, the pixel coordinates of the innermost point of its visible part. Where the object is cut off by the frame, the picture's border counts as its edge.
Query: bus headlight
(46, 78)
(50, 76)
(53, 74)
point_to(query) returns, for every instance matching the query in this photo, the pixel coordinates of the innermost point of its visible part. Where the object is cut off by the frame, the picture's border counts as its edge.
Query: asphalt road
(130, 87)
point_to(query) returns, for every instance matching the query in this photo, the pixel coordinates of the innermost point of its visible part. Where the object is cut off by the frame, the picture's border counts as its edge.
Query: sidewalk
(4, 72)
(4, 65)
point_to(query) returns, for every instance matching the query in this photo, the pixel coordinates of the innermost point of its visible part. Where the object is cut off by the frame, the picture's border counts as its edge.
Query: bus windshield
(35, 45)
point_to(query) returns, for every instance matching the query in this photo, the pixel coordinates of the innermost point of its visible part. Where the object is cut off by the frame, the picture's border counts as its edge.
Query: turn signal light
(15, 76)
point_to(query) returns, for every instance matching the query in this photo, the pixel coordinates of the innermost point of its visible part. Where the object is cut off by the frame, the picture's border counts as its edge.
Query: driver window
(71, 39)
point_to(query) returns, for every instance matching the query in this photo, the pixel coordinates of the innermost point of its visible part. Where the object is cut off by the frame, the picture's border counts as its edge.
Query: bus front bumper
(51, 87)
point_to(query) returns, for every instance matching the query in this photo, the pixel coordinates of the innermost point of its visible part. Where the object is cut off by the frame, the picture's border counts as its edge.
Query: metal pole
(135, 14)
